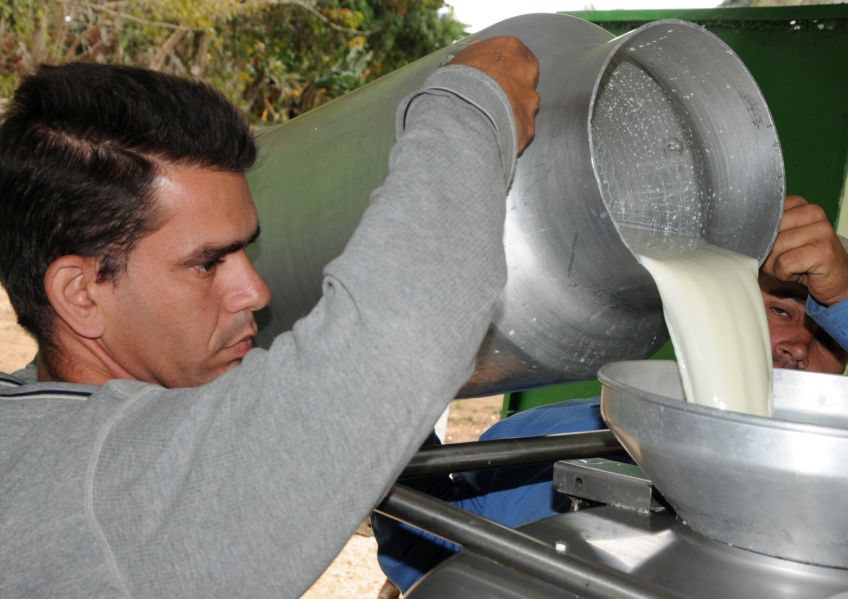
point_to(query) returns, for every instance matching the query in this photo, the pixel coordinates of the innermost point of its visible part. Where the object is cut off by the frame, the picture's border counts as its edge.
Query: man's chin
(210, 375)
(231, 365)
(227, 367)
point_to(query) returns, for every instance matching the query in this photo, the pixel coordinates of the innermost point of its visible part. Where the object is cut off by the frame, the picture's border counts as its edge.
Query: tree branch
(128, 17)
(162, 55)
(315, 13)
(299, 3)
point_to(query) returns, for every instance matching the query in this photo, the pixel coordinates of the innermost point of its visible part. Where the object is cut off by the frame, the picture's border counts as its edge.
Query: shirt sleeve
(833, 319)
(249, 486)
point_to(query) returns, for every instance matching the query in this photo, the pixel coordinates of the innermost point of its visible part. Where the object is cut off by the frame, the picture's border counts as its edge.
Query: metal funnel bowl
(772, 485)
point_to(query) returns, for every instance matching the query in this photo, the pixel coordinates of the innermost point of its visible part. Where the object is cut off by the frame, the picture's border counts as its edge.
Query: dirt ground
(354, 573)
(16, 347)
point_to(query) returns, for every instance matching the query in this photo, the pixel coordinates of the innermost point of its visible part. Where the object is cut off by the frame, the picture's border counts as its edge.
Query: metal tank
(661, 130)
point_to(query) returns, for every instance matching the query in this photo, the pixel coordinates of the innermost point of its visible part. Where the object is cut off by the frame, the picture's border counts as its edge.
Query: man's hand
(516, 69)
(808, 251)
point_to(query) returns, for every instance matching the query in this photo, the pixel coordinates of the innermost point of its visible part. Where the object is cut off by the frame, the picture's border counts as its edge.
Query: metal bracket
(605, 481)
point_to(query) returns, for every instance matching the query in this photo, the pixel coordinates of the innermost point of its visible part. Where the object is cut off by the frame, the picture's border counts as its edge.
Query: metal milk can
(659, 131)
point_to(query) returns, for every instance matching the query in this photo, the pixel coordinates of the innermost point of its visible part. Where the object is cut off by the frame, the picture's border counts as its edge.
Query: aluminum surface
(660, 130)
(653, 547)
(776, 486)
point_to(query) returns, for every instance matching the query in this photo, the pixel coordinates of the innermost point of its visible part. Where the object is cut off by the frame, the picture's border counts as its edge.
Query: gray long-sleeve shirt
(250, 485)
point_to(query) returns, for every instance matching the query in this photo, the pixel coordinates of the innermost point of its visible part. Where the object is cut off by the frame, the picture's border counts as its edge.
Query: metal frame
(502, 544)
(461, 457)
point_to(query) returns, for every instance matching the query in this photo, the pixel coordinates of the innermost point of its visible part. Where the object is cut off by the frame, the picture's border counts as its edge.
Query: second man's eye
(780, 312)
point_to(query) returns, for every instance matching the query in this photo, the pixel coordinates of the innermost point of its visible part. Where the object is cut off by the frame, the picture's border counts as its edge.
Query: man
(151, 452)
(809, 263)
(797, 341)
(808, 267)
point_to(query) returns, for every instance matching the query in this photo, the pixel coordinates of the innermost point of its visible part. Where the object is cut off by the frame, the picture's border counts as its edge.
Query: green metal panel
(531, 398)
(799, 57)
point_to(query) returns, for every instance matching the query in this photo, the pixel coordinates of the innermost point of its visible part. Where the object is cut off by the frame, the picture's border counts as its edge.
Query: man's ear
(70, 283)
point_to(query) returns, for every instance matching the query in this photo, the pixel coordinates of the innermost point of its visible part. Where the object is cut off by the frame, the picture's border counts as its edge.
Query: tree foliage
(274, 58)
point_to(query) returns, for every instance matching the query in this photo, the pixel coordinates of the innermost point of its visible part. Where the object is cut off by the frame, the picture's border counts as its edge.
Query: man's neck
(75, 359)
(62, 369)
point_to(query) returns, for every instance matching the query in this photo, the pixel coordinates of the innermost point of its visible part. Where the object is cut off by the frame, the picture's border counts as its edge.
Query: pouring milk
(716, 319)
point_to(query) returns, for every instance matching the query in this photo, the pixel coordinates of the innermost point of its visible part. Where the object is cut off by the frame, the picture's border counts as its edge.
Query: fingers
(807, 250)
(516, 69)
(793, 201)
(798, 213)
(804, 255)
(802, 224)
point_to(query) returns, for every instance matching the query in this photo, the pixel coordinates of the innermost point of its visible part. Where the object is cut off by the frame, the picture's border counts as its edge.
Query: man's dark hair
(80, 147)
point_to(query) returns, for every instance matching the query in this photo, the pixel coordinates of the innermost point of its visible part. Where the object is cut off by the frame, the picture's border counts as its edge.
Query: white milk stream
(716, 318)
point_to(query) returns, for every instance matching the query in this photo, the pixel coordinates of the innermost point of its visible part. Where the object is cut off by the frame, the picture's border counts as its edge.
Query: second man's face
(796, 341)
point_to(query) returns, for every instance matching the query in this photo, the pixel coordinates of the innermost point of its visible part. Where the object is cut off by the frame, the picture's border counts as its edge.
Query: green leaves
(274, 58)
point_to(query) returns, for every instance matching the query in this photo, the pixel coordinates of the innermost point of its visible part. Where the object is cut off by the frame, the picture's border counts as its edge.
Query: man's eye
(780, 312)
(208, 267)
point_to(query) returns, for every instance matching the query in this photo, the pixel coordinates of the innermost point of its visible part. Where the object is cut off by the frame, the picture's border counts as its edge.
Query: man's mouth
(241, 347)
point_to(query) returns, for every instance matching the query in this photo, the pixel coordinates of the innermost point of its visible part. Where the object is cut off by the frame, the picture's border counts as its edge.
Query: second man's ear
(70, 283)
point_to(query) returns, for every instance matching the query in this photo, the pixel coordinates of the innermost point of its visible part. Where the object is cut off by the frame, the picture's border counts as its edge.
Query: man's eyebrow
(209, 253)
(786, 293)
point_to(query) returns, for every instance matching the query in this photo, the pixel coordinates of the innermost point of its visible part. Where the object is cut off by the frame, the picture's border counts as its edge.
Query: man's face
(796, 341)
(182, 312)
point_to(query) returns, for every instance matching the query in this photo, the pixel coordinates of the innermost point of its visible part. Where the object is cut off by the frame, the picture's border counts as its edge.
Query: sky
(479, 14)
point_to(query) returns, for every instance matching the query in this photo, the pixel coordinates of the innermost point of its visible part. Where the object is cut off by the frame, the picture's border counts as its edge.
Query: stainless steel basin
(772, 485)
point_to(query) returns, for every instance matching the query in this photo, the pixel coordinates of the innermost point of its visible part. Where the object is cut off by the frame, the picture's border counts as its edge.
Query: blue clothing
(833, 319)
(512, 496)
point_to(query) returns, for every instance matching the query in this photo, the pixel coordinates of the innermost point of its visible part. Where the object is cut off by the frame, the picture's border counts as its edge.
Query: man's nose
(793, 352)
(249, 291)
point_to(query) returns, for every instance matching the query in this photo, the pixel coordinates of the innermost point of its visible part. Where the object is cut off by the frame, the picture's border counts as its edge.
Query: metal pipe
(459, 457)
(513, 548)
